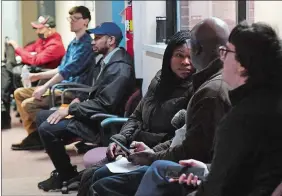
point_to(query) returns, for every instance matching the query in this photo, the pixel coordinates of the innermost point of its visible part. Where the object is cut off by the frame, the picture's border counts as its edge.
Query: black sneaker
(82, 148)
(31, 142)
(54, 183)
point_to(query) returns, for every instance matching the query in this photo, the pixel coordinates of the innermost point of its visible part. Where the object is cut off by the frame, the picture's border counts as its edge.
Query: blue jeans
(106, 183)
(155, 183)
(53, 137)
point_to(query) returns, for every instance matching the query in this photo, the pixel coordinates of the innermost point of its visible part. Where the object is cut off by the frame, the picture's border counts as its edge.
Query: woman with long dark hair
(169, 92)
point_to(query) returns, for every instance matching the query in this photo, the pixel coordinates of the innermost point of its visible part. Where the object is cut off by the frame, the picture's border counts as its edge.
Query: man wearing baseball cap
(48, 50)
(114, 83)
(107, 28)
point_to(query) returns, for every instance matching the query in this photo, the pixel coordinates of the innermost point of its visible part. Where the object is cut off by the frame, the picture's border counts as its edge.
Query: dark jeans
(106, 183)
(155, 182)
(53, 137)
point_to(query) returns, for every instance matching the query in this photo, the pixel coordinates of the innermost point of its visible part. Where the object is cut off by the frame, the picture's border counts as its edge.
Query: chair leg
(102, 139)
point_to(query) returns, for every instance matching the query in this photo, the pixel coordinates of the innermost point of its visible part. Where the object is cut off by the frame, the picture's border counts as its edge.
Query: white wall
(11, 23)
(144, 26)
(152, 63)
(11, 20)
(270, 12)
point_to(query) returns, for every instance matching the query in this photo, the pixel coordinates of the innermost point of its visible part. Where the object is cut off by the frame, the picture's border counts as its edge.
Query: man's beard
(103, 51)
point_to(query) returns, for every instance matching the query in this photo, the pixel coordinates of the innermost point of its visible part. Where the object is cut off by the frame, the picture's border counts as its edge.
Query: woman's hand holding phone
(113, 151)
(118, 148)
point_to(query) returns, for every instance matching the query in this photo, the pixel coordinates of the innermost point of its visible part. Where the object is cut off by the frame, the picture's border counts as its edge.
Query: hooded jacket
(50, 52)
(111, 90)
(151, 121)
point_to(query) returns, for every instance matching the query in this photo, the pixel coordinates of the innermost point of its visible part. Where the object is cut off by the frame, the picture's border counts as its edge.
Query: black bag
(6, 90)
(85, 181)
(15, 68)
(6, 84)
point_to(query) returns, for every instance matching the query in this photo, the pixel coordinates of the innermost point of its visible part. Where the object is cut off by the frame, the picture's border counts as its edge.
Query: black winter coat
(248, 152)
(112, 88)
(151, 121)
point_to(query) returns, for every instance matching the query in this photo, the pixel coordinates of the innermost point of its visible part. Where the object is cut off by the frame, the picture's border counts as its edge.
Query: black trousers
(53, 138)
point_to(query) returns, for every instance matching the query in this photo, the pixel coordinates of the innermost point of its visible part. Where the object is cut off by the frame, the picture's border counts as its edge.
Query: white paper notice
(122, 166)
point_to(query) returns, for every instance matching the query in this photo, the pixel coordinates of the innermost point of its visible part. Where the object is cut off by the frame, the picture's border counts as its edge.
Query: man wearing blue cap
(107, 38)
(114, 82)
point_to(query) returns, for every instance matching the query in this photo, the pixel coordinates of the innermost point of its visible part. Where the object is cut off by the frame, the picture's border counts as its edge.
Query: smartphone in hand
(175, 172)
(121, 145)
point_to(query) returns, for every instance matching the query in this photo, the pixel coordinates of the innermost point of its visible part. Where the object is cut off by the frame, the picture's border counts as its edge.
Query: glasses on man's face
(73, 18)
(223, 52)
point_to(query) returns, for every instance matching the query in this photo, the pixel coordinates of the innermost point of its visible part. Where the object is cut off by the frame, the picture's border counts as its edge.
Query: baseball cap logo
(42, 20)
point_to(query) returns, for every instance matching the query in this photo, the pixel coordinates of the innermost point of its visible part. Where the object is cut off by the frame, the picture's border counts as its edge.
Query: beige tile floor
(22, 170)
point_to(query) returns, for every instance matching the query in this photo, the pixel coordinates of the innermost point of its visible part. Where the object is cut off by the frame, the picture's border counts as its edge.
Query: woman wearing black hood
(169, 92)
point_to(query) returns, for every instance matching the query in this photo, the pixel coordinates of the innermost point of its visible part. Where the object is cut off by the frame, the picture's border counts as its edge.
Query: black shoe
(54, 183)
(82, 148)
(18, 115)
(31, 142)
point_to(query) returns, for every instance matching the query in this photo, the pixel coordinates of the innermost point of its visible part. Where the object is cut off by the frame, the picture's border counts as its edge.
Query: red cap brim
(36, 25)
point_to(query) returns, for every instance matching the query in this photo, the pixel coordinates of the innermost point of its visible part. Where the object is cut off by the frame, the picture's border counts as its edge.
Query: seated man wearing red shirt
(47, 51)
